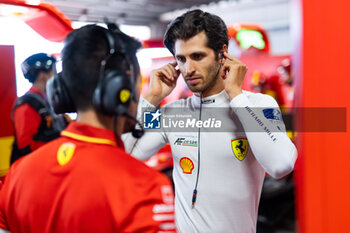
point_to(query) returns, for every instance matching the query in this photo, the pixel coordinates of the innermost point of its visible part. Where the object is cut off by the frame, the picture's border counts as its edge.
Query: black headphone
(113, 93)
(58, 95)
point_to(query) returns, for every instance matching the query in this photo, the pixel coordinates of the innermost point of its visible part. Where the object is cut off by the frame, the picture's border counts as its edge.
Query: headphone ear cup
(96, 97)
(113, 94)
(58, 95)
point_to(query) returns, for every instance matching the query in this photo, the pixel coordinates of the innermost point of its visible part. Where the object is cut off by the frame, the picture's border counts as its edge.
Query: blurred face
(42, 79)
(199, 65)
(50, 74)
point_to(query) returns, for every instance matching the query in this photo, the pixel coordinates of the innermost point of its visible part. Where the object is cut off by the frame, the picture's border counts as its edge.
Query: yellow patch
(5, 154)
(240, 147)
(65, 153)
(187, 165)
(124, 95)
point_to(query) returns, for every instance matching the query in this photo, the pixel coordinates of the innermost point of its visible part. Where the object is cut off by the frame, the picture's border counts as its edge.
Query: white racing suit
(231, 163)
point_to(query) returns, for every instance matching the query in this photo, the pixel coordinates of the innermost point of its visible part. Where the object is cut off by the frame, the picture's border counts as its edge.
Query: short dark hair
(193, 22)
(84, 49)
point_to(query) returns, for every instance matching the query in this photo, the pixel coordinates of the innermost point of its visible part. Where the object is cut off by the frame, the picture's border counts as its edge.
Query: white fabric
(228, 189)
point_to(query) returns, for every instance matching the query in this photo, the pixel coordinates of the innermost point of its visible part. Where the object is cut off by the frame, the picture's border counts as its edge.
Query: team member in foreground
(218, 176)
(84, 181)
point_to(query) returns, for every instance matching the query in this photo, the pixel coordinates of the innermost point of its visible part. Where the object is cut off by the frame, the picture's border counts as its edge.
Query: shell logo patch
(187, 165)
(65, 153)
(240, 147)
(124, 95)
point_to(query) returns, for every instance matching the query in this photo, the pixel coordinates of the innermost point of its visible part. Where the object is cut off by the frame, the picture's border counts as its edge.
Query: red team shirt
(26, 122)
(83, 182)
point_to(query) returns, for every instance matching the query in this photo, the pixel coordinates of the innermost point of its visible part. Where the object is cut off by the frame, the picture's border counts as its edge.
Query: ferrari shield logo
(65, 153)
(240, 147)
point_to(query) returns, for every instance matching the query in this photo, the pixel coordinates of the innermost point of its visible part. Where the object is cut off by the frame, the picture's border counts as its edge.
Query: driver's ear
(221, 54)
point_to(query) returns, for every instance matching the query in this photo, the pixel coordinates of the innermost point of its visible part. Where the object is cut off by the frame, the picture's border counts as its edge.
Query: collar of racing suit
(90, 134)
(211, 101)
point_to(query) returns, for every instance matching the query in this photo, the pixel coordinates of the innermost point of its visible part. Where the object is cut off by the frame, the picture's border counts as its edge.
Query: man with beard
(218, 176)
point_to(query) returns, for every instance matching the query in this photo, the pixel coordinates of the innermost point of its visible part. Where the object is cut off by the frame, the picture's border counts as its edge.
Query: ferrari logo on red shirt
(240, 147)
(65, 153)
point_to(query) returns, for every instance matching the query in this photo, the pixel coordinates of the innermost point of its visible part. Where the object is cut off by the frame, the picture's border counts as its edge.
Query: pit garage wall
(7, 98)
(273, 15)
(321, 33)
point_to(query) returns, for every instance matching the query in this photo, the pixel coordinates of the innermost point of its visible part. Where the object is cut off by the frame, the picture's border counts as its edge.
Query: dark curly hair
(193, 22)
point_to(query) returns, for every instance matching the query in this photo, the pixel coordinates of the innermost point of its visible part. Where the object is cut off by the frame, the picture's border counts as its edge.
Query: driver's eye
(197, 56)
(181, 59)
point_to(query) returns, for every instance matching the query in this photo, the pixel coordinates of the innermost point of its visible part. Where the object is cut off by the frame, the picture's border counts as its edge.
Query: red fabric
(101, 189)
(46, 19)
(273, 84)
(26, 122)
(7, 88)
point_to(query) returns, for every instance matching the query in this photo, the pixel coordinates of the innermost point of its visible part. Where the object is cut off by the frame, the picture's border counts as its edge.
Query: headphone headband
(115, 88)
(110, 40)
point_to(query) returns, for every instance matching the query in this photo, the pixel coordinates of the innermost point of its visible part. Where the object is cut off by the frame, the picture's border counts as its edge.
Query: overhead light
(145, 56)
(33, 2)
(137, 31)
(9, 10)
